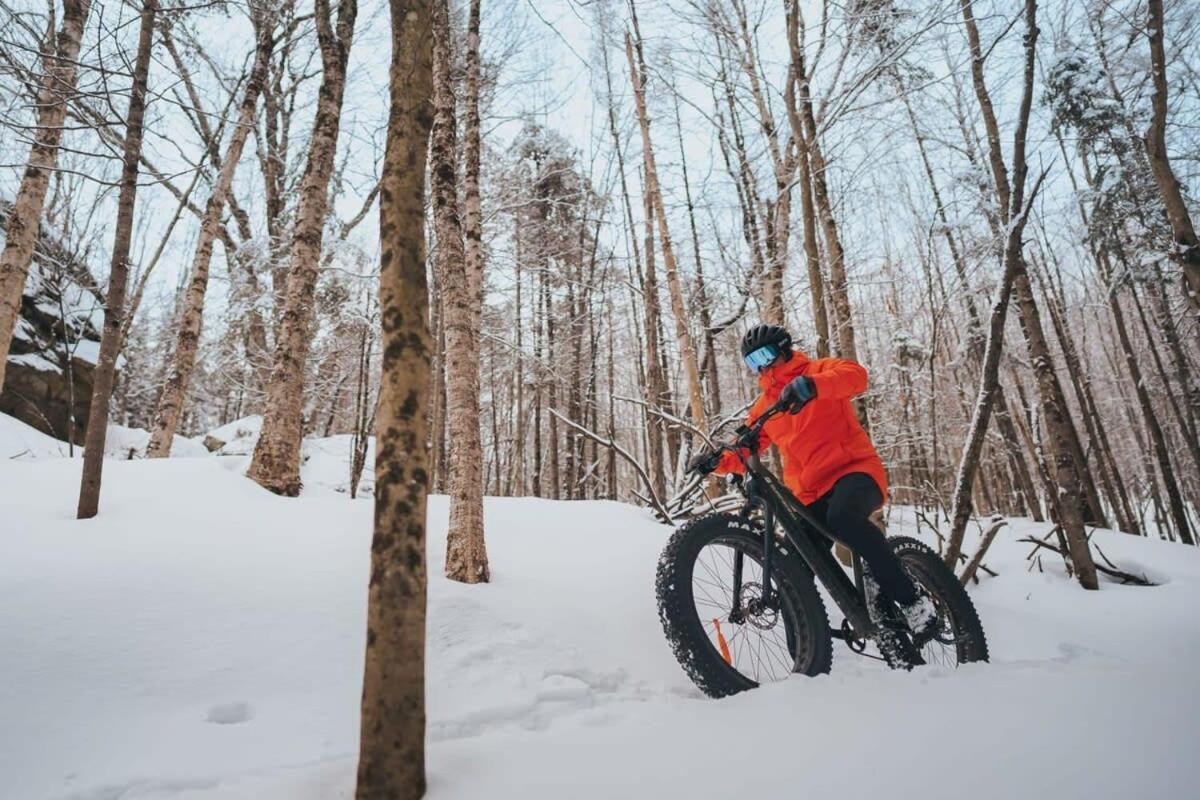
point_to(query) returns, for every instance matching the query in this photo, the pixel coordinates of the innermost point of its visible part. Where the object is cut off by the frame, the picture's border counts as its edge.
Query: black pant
(846, 509)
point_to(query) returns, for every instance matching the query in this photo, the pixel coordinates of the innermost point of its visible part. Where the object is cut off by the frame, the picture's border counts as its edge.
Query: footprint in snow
(230, 713)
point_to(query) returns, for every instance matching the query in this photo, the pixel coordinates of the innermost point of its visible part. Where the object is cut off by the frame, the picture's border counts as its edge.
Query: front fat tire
(685, 630)
(928, 568)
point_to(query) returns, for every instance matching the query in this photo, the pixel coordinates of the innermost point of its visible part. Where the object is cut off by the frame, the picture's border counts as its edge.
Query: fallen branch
(1127, 577)
(1043, 540)
(1110, 570)
(976, 562)
(651, 496)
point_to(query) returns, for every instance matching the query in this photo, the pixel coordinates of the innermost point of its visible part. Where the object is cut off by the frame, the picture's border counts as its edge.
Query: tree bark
(1014, 212)
(812, 258)
(114, 306)
(646, 282)
(24, 221)
(276, 461)
(708, 364)
(687, 347)
(461, 272)
(391, 763)
(187, 343)
(1059, 432)
(1187, 247)
(1150, 418)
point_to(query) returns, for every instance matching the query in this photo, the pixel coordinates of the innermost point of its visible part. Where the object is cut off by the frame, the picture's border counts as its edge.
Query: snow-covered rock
(129, 443)
(235, 438)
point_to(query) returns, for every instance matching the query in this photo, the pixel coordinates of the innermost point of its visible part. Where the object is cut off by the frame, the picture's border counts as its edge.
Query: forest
(509, 248)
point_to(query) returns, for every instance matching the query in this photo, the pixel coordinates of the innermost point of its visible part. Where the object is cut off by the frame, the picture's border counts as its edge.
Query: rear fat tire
(686, 632)
(931, 572)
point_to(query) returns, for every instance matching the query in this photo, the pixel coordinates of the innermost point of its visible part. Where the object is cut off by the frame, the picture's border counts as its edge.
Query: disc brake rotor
(754, 610)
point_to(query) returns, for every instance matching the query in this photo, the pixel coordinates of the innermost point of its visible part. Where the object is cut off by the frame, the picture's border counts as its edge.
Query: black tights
(846, 509)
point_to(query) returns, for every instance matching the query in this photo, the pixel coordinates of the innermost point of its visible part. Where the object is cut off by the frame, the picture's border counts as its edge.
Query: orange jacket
(824, 441)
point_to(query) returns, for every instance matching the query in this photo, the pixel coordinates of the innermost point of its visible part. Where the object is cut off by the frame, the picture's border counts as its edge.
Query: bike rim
(945, 647)
(759, 643)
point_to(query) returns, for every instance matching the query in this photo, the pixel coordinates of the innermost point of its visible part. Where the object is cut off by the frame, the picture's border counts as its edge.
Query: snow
(86, 350)
(202, 638)
(246, 426)
(236, 438)
(21, 442)
(35, 361)
(126, 443)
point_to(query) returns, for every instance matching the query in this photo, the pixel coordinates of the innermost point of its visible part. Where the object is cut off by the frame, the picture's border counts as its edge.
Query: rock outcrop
(49, 376)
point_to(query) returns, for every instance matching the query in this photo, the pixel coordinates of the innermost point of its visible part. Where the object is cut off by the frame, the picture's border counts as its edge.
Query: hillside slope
(202, 638)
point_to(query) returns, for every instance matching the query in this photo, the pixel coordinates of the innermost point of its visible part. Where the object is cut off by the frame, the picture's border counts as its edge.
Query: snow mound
(327, 463)
(202, 638)
(21, 442)
(129, 443)
(235, 438)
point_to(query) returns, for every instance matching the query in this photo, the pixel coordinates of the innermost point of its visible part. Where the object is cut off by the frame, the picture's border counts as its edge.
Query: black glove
(796, 394)
(704, 463)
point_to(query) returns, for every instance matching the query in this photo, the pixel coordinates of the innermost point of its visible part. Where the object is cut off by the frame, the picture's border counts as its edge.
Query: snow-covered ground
(203, 639)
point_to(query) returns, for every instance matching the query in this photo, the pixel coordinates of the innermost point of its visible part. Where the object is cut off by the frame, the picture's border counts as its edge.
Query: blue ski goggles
(763, 357)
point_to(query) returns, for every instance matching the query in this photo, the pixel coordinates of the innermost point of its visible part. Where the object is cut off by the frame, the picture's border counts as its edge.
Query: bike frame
(763, 490)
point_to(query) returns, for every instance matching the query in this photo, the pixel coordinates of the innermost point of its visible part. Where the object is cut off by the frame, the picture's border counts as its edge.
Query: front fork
(737, 613)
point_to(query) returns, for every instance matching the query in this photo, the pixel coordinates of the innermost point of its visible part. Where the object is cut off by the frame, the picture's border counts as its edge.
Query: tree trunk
(778, 214)
(839, 289)
(551, 374)
(659, 394)
(24, 221)
(650, 379)
(170, 402)
(1187, 247)
(114, 306)
(708, 363)
(391, 763)
(462, 280)
(687, 348)
(276, 462)
(1059, 432)
(1013, 211)
(1150, 418)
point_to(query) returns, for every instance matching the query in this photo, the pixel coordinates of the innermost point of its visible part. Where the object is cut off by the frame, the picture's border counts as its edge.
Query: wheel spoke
(758, 644)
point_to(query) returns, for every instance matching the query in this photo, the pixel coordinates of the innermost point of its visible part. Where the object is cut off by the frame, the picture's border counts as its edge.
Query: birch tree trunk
(708, 364)
(839, 289)
(391, 761)
(1014, 212)
(276, 461)
(812, 258)
(462, 279)
(57, 85)
(1187, 252)
(187, 342)
(778, 216)
(114, 306)
(687, 348)
(652, 375)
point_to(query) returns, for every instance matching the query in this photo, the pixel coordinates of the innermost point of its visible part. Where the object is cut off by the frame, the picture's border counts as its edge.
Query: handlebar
(747, 436)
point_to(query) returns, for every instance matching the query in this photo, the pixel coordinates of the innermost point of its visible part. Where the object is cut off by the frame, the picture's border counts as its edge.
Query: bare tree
(1187, 246)
(187, 343)
(687, 347)
(391, 763)
(461, 274)
(1014, 211)
(114, 307)
(276, 461)
(59, 67)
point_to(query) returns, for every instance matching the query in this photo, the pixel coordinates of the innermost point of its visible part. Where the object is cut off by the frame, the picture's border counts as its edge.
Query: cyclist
(829, 462)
